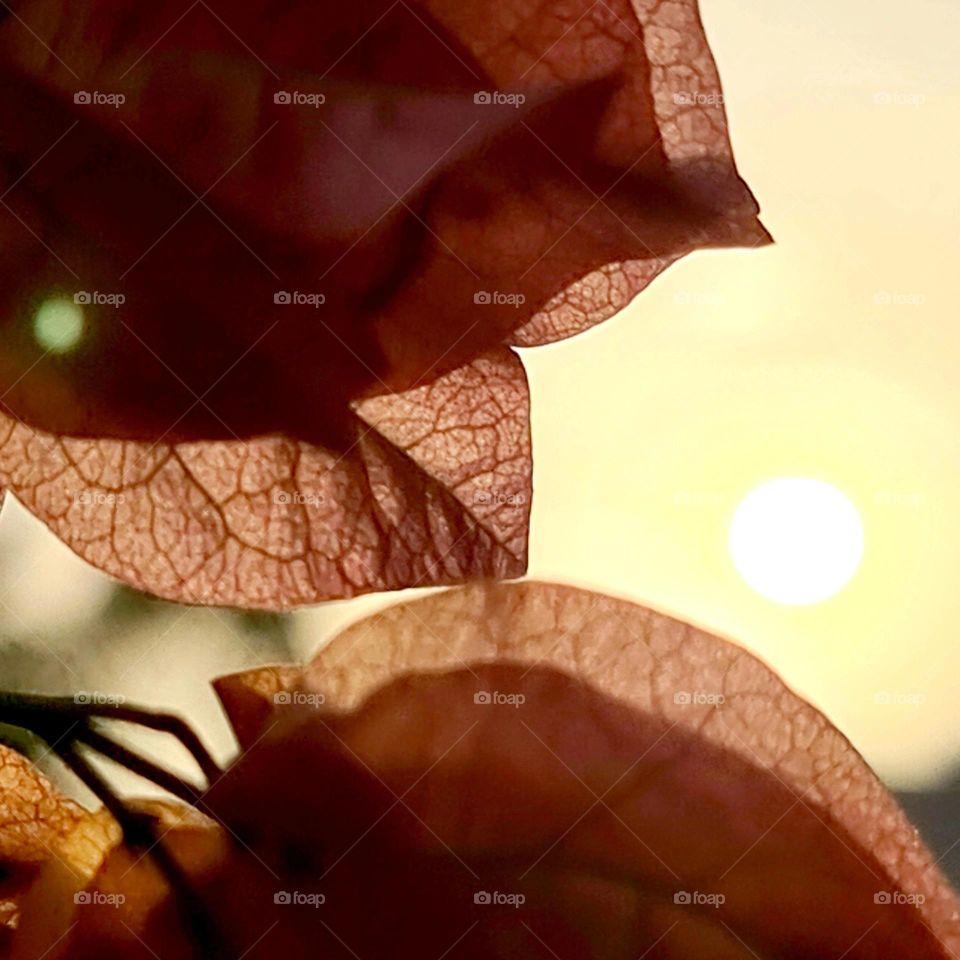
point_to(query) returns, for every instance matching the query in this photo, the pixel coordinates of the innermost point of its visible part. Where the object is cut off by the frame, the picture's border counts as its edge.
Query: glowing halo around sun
(796, 540)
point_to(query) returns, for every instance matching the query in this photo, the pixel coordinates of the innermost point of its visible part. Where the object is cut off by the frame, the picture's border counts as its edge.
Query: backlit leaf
(224, 222)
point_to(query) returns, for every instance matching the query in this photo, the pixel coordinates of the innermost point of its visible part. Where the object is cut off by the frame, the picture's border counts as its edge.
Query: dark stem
(143, 832)
(64, 724)
(142, 767)
(57, 716)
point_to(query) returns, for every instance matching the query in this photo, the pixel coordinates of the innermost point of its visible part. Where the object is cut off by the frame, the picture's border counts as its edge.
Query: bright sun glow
(796, 540)
(58, 324)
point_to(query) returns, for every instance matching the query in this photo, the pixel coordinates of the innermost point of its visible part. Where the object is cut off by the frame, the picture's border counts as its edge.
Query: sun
(796, 540)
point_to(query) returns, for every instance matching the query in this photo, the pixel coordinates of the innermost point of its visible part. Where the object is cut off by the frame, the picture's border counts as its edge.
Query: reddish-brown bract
(475, 176)
(642, 785)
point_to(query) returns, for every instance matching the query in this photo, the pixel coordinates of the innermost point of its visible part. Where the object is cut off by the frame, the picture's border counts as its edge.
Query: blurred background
(831, 355)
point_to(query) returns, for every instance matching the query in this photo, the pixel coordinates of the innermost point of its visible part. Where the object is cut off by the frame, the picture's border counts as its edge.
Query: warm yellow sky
(738, 367)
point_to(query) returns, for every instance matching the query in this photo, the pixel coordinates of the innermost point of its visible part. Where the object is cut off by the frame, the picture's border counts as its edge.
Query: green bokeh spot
(58, 324)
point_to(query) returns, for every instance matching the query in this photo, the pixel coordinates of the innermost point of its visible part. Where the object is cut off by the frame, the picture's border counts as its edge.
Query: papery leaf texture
(263, 265)
(523, 770)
